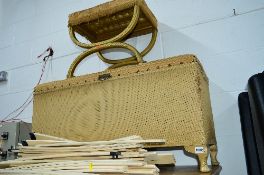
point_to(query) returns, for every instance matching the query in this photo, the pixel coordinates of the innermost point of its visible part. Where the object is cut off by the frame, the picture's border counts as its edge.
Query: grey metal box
(12, 133)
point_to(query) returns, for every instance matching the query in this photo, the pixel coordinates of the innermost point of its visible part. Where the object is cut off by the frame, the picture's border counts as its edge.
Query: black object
(115, 154)
(24, 143)
(10, 149)
(104, 77)
(51, 52)
(250, 147)
(3, 154)
(4, 136)
(32, 136)
(256, 98)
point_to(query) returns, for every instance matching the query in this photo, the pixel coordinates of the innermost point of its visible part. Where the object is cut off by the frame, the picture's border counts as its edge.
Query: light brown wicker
(166, 99)
(107, 20)
(172, 91)
(113, 22)
(161, 99)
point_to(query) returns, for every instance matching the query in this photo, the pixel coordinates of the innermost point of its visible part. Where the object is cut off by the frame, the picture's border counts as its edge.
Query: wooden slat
(40, 136)
(61, 156)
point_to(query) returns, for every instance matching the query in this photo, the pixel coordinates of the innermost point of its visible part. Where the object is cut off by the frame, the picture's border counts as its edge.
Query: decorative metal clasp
(104, 77)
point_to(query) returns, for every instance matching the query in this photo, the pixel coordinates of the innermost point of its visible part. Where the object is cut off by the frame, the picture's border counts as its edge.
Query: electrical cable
(16, 109)
(30, 98)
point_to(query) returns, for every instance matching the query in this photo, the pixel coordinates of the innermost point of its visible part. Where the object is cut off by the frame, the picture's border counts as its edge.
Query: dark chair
(251, 107)
(250, 147)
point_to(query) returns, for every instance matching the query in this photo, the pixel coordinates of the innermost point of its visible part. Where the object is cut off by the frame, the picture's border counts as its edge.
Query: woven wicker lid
(122, 72)
(109, 19)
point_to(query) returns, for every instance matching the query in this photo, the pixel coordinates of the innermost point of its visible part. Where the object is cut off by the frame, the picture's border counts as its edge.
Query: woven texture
(107, 20)
(167, 99)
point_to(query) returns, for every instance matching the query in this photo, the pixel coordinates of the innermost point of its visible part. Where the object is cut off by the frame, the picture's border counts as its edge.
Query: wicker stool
(108, 24)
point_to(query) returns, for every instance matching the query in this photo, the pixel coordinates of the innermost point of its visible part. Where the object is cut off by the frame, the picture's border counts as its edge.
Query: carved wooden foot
(213, 154)
(202, 153)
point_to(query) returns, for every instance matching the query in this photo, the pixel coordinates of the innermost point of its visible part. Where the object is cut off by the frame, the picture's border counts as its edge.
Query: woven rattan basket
(161, 99)
(166, 99)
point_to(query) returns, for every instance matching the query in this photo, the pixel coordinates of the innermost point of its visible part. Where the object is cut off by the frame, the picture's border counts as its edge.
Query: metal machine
(12, 133)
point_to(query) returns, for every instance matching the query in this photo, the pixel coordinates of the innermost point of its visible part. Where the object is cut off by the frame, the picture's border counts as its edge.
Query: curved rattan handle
(104, 47)
(143, 53)
(119, 37)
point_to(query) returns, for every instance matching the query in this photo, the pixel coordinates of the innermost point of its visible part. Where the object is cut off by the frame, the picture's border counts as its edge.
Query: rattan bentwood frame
(110, 19)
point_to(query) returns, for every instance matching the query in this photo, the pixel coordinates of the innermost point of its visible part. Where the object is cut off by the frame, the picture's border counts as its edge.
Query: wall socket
(3, 76)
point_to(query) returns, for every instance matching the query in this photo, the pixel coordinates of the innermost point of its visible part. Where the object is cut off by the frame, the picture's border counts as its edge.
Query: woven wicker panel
(167, 99)
(109, 19)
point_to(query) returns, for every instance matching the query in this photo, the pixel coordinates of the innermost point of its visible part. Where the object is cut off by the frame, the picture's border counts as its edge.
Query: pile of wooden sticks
(53, 155)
